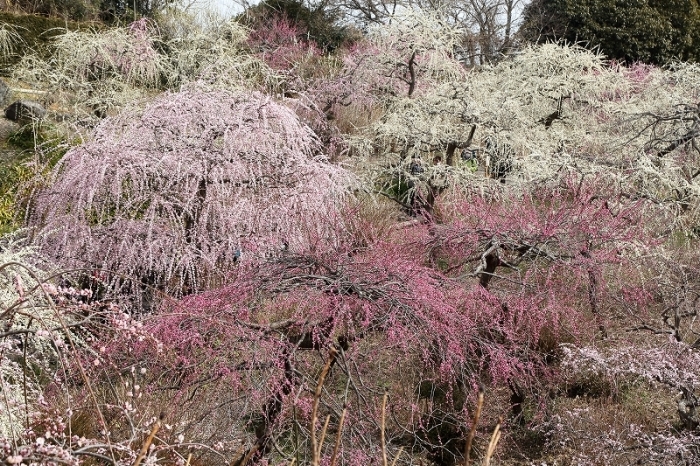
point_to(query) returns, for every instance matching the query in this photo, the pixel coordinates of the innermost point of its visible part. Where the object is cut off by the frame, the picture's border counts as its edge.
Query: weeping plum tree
(413, 52)
(402, 77)
(176, 194)
(392, 63)
(96, 73)
(425, 313)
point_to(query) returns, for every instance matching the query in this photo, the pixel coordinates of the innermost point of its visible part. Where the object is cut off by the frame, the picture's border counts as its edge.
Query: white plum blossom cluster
(673, 364)
(620, 444)
(25, 323)
(13, 412)
(93, 72)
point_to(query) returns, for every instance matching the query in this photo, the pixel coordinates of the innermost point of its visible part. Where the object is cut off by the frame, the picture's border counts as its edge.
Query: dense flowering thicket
(323, 259)
(421, 302)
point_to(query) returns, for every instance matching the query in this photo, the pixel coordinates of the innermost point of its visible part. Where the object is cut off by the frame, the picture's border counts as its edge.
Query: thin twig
(323, 437)
(396, 458)
(317, 397)
(338, 436)
(495, 437)
(249, 455)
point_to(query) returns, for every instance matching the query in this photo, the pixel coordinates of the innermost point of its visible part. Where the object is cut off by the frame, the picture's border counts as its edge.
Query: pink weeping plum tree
(175, 194)
(425, 313)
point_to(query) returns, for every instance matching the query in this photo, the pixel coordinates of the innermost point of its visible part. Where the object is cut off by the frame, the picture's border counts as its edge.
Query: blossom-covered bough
(50, 341)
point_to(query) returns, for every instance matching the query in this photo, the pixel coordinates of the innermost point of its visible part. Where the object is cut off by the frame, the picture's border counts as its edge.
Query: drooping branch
(673, 130)
(452, 147)
(489, 261)
(681, 141)
(556, 115)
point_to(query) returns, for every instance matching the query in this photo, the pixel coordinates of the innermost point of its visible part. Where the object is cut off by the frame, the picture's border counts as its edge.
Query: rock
(25, 111)
(4, 93)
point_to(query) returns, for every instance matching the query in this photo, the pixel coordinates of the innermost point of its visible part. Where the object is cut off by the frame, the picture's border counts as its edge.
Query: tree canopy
(177, 193)
(649, 31)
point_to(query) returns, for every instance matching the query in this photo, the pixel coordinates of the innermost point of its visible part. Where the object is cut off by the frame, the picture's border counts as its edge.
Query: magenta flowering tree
(424, 312)
(176, 194)
(545, 260)
(578, 225)
(281, 45)
(370, 311)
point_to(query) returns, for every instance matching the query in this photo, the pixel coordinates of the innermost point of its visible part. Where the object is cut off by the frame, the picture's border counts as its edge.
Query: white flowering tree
(549, 110)
(91, 74)
(17, 279)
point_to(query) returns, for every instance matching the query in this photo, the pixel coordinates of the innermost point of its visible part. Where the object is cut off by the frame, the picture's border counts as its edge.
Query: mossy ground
(25, 151)
(11, 162)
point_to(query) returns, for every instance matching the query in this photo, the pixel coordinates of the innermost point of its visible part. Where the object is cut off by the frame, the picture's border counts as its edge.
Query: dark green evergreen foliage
(110, 11)
(650, 31)
(315, 23)
(114, 11)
